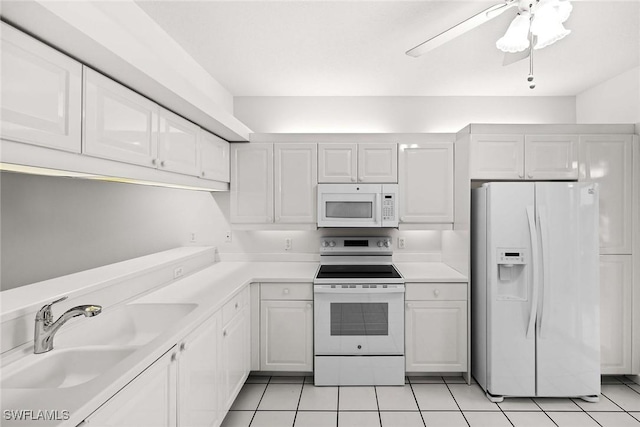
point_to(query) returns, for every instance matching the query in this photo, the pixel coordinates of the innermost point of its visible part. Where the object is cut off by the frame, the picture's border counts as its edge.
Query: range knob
(332, 243)
(325, 243)
(387, 243)
(380, 243)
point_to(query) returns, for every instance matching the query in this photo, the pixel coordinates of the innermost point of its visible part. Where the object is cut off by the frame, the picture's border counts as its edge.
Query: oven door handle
(359, 291)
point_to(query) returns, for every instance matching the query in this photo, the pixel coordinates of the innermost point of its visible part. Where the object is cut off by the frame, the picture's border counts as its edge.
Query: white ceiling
(357, 48)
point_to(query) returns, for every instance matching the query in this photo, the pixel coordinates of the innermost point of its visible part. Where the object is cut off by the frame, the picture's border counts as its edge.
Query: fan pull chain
(532, 84)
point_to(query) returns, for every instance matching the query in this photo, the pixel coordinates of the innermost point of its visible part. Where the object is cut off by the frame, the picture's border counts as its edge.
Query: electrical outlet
(401, 242)
(227, 237)
(287, 243)
(178, 272)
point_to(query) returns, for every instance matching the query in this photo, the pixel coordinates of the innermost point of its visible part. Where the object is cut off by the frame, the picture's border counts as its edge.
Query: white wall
(55, 226)
(616, 100)
(396, 114)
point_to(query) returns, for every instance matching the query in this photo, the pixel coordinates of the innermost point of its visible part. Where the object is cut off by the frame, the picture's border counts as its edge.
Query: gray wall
(56, 226)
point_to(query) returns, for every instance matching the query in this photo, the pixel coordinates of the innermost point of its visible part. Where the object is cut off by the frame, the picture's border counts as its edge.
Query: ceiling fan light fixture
(516, 39)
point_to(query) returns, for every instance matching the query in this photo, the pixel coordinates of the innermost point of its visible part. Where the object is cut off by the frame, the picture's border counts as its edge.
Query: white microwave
(357, 205)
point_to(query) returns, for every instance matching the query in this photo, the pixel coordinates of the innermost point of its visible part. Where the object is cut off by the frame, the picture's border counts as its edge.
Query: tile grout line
(261, 397)
(298, 405)
(375, 391)
(456, 402)
(416, 400)
(338, 409)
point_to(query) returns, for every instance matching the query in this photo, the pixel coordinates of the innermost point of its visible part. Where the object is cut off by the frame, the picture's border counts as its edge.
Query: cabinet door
(378, 163)
(425, 183)
(252, 183)
(497, 157)
(119, 124)
(606, 159)
(235, 358)
(296, 180)
(615, 314)
(214, 157)
(286, 336)
(178, 144)
(199, 377)
(148, 401)
(41, 93)
(551, 156)
(337, 162)
(436, 336)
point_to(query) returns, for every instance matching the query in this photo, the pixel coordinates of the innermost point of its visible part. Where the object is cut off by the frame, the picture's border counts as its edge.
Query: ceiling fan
(538, 24)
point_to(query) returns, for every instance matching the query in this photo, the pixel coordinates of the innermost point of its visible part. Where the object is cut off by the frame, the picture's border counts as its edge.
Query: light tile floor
(422, 402)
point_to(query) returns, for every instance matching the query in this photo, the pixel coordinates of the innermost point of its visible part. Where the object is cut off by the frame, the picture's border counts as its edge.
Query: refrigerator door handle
(534, 268)
(542, 221)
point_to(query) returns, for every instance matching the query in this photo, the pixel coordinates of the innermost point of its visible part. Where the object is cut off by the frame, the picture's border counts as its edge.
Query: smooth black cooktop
(358, 271)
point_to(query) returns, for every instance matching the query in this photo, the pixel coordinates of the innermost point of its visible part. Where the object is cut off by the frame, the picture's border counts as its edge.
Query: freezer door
(568, 328)
(510, 351)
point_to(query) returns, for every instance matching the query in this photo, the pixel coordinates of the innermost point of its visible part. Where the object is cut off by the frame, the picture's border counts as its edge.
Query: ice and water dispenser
(512, 279)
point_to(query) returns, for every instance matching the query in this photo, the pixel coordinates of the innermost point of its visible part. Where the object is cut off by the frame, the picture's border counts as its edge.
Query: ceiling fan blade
(512, 58)
(461, 28)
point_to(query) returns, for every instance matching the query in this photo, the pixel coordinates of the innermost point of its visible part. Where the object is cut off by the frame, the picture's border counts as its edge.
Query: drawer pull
(183, 346)
(436, 292)
(224, 333)
(236, 306)
(308, 305)
(285, 291)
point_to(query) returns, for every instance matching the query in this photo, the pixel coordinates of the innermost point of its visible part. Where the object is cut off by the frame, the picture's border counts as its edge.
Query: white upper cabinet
(178, 144)
(497, 156)
(515, 157)
(343, 163)
(214, 157)
(252, 183)
(41, 96)
(337, 163)
(425, 182)
(296, 173)
(551, 156)
(119, 124)
(607, 160)
(377, 163)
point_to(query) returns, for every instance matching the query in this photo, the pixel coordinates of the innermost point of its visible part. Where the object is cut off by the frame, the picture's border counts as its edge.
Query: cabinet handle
(237, 306)
(402, 218)
(269, 219)
(224, 333)
(202, 173)
(353, 179)
(409, 305)
(154, 161)
(436, 292)
(183, 346)
(286, 291)
(309, 305)
(361, 178)
(521, 175)
(162, 163)
(530, 175)
(277, 219)
(175, 357)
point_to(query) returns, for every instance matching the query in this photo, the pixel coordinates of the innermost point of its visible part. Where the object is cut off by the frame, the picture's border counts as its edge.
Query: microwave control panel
(388, 207)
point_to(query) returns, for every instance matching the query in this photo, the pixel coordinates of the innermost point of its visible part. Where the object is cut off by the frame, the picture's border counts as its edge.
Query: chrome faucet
(46, 328)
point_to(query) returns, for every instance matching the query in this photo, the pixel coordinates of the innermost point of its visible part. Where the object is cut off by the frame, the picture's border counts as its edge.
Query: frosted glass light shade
(547, 22)
(516, 39)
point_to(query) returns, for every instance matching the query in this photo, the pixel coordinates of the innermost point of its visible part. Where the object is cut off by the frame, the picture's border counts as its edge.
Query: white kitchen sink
(63, 368)
(130, 325)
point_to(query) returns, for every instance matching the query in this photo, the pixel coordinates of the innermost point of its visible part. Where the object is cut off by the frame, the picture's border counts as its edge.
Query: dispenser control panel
(511, 256)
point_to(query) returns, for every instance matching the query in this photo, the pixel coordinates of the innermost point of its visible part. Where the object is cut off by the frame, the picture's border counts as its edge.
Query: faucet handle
(45, 312)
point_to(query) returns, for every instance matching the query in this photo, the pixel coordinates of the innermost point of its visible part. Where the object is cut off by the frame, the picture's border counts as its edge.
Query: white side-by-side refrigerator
(535, 289)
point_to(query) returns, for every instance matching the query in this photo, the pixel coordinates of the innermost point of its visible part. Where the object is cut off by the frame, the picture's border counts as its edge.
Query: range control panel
(356, 245)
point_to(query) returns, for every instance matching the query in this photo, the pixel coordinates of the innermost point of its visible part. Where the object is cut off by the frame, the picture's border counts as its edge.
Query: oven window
(349, 209)
(359, 319)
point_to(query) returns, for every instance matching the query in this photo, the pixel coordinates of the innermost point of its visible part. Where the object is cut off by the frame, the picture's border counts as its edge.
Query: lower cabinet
(286, 327)
(147, 401)
(194, 383)
(436, 327)
(615, 314)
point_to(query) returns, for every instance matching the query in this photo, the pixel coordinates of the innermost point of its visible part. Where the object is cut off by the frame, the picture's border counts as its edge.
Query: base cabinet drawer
(436, 336)
(436, 291)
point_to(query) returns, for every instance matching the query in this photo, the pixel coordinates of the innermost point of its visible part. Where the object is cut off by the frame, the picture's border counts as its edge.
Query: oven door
(349, 205)
(358, 320)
